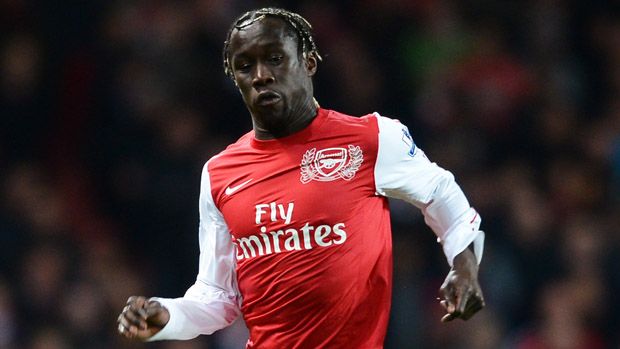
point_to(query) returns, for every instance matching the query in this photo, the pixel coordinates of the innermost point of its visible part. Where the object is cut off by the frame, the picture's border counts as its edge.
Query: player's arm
(403, 171)
(210, 304)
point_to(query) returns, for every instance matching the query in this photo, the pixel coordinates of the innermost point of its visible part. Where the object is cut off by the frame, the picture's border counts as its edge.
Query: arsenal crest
(330, 164)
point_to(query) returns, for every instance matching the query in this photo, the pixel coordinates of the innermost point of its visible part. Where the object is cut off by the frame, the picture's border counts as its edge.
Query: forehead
(269, 31)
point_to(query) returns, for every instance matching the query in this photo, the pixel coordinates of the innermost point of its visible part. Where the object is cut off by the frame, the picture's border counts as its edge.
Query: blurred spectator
(561, 324)
(8, 323)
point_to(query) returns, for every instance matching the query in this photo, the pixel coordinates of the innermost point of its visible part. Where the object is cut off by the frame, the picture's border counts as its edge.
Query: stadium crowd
(109, 109)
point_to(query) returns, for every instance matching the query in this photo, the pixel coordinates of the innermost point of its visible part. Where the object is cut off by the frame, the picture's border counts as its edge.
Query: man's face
(274, 80)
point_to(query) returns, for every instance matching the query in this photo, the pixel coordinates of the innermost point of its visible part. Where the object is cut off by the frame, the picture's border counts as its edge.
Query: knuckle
(124, 323)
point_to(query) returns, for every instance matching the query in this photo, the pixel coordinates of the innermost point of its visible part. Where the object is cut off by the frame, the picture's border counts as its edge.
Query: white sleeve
(404, 172)
(212, 303)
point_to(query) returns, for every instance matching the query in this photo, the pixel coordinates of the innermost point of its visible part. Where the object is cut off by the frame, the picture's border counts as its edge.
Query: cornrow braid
(300, 26)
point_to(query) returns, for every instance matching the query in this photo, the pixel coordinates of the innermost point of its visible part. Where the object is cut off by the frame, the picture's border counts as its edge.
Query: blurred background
(109, 109)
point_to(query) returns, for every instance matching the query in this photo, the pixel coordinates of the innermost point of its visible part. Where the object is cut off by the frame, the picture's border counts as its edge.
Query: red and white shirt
(295, 233)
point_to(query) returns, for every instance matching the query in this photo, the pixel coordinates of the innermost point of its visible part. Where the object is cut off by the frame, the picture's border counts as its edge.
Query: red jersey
(313, 241)
(295, 233)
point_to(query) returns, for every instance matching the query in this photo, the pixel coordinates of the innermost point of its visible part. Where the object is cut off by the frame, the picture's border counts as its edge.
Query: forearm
(190, 318)
(203, 310)
(450, 216)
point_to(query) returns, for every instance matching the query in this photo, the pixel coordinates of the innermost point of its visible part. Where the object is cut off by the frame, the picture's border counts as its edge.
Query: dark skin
(461, 292)
(142, 318)
(275, 81)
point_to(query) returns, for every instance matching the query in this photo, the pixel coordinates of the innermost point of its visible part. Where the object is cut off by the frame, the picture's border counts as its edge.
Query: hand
(462, 296)
(142, 318)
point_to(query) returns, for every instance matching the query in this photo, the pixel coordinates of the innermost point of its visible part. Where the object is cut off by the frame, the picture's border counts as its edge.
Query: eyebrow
(268, 45)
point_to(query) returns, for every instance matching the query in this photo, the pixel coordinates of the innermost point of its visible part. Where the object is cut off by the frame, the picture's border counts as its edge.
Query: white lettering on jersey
(305, 237)
(275, 211)
(330, 164)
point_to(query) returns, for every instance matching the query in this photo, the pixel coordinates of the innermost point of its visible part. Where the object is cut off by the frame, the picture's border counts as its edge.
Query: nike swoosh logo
(231, 190)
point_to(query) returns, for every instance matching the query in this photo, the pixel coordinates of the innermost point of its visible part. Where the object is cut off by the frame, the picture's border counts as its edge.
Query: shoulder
(373, 123)
(394, 136)
(392, 128)
(371, 119)
(239, 146)
(341, 123)
(218, 169)
(364, 120)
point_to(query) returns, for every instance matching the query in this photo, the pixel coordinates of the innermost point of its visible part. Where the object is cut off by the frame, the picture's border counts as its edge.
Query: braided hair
(299, 25)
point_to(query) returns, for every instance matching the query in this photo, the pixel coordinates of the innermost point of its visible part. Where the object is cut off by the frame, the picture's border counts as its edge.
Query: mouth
(267, 98)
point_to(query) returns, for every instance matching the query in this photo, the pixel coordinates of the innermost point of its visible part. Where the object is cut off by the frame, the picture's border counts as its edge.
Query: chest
(315, 184)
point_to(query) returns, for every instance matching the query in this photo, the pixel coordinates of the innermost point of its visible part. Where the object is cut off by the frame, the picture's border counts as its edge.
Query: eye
(276, 59)
(243, 67)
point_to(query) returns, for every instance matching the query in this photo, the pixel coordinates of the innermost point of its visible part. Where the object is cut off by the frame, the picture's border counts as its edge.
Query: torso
(312, 237)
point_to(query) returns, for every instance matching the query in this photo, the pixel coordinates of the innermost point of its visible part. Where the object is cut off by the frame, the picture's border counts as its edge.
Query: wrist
(465, 262)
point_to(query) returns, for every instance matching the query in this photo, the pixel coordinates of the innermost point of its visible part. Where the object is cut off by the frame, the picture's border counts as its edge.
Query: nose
(262, 75)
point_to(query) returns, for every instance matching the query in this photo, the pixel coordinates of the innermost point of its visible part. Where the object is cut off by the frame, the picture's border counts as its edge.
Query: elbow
(231, 314)
(445, 187)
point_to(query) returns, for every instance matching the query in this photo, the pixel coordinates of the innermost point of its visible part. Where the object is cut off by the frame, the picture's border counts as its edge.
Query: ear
(311, 63)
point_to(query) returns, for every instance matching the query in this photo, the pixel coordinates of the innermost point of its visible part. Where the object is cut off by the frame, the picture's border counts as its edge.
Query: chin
(269, 114)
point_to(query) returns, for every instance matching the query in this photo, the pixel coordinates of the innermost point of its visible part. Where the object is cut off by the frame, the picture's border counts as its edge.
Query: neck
(297, 120)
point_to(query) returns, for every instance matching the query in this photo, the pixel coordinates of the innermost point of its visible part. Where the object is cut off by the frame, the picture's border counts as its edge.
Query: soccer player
(294, 219)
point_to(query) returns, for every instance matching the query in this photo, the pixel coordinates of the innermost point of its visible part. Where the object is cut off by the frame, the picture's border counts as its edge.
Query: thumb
(152, 309)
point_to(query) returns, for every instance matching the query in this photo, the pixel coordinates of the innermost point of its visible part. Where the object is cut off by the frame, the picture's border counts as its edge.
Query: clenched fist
(462, 296)
(142, 318)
